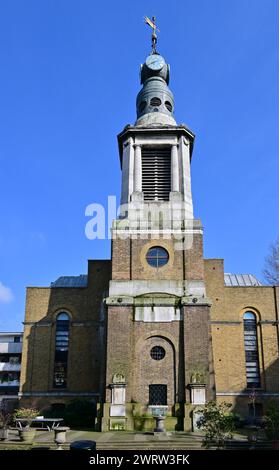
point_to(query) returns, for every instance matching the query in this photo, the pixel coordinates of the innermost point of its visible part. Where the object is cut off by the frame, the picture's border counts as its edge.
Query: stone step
(182, 444)
(166, 446)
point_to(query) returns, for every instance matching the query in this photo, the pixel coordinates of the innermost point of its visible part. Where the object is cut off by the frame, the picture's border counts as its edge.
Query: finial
(155, 28)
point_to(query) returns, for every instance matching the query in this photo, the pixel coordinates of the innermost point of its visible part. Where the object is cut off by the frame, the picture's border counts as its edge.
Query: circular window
(142, 106)
(157, 256)
(168, 106)
(155, 102)
(157, 353)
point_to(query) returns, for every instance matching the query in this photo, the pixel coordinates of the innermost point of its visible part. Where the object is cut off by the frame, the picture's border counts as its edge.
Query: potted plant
(4, 425)
(272, 426)
(24, 417)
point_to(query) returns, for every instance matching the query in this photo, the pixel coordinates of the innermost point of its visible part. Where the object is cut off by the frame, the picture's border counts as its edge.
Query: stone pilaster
(198, 355)
(138, 170)
(174, 169)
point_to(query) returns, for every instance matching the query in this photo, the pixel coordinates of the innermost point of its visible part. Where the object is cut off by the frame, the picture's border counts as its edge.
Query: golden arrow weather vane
(155, 28)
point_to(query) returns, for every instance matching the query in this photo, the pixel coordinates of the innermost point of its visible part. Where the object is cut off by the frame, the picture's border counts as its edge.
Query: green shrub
(217, 422)
(272, 423)
(26, 414)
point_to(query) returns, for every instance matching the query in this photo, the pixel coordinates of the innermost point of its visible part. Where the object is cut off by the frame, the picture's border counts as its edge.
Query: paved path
(118, 439)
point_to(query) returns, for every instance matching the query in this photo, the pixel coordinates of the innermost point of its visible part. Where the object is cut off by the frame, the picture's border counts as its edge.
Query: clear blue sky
(69, 79)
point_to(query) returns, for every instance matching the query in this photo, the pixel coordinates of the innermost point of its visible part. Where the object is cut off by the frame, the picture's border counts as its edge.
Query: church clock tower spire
(155, 152)
(158, 317)
(155, 96)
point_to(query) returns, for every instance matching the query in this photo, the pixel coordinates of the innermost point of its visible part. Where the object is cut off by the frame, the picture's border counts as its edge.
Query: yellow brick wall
(86, 348)
(229, 305)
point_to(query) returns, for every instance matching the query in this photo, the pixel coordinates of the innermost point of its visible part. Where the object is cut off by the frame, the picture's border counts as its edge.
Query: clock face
(155, 62)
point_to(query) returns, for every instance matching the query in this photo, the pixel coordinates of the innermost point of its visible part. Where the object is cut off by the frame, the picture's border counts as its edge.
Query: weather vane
(155, 28)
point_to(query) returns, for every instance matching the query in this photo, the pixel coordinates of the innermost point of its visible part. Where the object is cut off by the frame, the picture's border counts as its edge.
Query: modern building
(158, 324)
(10, 365)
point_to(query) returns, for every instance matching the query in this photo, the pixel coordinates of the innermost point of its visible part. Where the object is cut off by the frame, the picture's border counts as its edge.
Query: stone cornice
(194, 301)
(180, 130)
(124, 301)
(40, 323)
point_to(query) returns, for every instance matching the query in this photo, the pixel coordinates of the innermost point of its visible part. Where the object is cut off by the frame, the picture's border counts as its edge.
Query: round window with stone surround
(157, 353)
(157, 256)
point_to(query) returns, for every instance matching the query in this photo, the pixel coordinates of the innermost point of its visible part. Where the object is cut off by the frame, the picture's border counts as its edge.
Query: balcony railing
(11, 383)
(10, 348)
(9, 366)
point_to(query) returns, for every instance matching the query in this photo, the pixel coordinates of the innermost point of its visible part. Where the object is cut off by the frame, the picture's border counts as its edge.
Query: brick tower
(159, 350)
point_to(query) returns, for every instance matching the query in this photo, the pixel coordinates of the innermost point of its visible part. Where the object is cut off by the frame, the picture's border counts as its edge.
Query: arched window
(251, 350)
(61, 350)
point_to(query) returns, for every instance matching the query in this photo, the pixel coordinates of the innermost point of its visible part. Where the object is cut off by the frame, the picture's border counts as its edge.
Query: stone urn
(27, 434)
(159, 414)
(60, 436)
(4, 434)
(159, 424)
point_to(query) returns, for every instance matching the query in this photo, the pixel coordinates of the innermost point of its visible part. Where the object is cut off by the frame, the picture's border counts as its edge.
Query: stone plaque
(117, 410)
(198, 395)
(118, 395)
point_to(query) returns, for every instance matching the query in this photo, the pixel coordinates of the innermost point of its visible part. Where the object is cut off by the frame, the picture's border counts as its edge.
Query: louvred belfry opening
(156, 173)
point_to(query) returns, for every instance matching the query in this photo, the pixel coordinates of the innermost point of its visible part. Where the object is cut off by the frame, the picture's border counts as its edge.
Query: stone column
(186, 177)
(127, 171)
(174, 169)
(137, 169)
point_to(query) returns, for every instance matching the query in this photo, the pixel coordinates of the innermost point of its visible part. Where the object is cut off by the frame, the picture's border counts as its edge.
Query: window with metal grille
(251, 350)
(156, 173)
(158, 394)
(157, 353)
(61, 350)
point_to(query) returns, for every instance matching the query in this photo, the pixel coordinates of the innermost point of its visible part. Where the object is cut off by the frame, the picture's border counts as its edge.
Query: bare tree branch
(271, 270)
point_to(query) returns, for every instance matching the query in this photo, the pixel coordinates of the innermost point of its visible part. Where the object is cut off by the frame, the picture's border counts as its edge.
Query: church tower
(159, 350)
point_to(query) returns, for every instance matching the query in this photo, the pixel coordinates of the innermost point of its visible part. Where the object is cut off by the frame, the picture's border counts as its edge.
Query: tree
(218, 423)
(271, 270)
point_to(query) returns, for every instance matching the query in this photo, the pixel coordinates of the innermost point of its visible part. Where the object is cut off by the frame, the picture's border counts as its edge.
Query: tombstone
(118, 396)
(196, 416)
(117, 410)
(198, 394)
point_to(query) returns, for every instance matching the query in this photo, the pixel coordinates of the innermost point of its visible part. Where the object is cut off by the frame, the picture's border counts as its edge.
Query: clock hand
(154, 62)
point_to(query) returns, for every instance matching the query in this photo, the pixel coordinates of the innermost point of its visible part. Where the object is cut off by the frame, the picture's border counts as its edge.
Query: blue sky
(69, 79)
